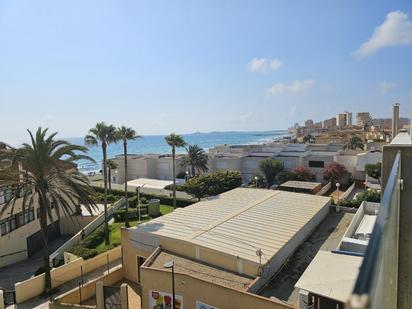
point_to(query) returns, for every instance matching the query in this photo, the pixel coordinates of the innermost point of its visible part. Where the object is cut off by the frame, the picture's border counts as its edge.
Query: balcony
(385, 276)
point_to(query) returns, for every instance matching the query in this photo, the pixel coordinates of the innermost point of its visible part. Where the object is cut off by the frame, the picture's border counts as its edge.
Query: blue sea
(156, 144)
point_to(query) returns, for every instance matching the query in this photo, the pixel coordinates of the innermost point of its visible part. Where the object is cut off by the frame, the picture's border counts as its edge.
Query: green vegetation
(48, 176)
(174, 141)
(105, 134)
(212, 184)
(196, 159)
(270, 168)
(111, 165)
(95, 244)
(354, 143)
(337, 173)
(126, 134)
(368, 196)
(309, 139)
(374, 170)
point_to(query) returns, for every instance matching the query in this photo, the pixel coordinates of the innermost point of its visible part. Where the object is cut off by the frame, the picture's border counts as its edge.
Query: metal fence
(376, 285)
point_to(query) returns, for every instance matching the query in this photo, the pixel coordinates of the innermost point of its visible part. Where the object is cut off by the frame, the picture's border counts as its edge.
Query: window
(5, 195)
(15, 221)
(317, 164)
(8, 225)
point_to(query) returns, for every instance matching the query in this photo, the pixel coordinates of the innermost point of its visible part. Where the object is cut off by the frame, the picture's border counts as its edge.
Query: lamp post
(171, 264)
(187, 175)
(256, 181)
(337, 188)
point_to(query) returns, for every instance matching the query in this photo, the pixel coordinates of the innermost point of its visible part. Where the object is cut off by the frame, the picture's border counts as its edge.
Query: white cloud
(385, 86)
(263, 65)
(395, 30)
(294, 88)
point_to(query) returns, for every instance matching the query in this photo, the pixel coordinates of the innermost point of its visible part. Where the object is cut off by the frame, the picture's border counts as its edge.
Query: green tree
(43, 171)
(354, 143)
(285, 176)
(374, 170)
(309, 139)
(270, 168)
(105, 135)
(195, 159)
(126, 134)
(174, 141)
(111, 165)
(212, 184)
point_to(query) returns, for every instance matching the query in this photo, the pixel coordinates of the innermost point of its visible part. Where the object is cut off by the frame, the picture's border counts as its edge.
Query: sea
(155, 144)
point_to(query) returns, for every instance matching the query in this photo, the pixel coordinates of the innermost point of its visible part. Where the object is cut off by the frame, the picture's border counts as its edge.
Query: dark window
(318, 164)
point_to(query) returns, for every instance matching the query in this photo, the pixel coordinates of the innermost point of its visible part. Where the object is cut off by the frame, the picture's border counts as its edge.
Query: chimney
(395, 120)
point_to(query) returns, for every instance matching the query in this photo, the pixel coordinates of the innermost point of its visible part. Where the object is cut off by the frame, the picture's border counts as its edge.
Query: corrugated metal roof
(301, 184)
(239, 222)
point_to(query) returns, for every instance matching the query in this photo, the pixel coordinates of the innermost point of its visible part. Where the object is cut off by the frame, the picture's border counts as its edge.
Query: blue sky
(163, 66)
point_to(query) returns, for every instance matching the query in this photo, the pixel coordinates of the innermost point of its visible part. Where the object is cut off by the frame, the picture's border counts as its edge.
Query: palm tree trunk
(44, 233)
(106, 224)
(174, 176)
(193, 170)
(110, 180)
(126, 218)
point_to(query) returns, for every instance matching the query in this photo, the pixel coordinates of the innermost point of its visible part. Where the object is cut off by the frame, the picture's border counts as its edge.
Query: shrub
(336, 172)
(120, 215)
(368, 196)
(95, 238)
(84, 252)
(284, 176)
(301, 173)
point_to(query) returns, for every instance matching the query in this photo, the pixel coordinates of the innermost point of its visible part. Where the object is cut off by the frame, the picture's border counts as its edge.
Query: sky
(185, 66)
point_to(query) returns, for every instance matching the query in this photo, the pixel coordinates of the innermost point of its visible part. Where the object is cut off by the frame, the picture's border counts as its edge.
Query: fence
(376, 285)
(325, 189)
(90, 228)
(75, 269)
(347, 192)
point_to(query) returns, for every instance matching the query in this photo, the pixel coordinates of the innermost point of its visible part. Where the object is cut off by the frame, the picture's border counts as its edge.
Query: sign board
(163, 300)
(200, 305)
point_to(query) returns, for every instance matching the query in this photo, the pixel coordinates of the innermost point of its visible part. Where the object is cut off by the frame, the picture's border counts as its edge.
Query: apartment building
(20, 236)
(316, 157)
(363, 118)
(151, 166)
(329, 123)
(223, 250)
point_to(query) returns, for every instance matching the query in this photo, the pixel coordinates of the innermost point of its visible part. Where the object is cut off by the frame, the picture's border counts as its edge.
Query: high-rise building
(308, 123)
(363, 118)
(329, 123)
(348, 117)
(344, 119)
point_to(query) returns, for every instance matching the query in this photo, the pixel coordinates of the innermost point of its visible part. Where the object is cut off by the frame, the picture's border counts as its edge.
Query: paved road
(23, 270)
(43, 302)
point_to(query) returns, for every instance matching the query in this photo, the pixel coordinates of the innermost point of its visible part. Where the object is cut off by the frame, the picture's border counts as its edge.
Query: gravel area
(202, 271)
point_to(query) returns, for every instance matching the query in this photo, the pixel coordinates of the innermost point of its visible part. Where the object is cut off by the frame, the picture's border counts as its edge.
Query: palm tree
(126, 134)
(196, 159)
(175, 141)
(270, 168)
(354, 143)
(111, 165)
(44, 172)
(105, 134)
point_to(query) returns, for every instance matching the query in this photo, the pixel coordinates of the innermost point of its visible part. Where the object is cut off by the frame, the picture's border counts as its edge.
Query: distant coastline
(155, 144)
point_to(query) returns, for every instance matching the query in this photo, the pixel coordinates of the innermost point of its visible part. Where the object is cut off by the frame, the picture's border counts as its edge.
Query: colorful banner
(162, 300)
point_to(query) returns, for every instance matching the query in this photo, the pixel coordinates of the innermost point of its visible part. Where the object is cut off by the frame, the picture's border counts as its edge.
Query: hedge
(120, 215)
(164, 200)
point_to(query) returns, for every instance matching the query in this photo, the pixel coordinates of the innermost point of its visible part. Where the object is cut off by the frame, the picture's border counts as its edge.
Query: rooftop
(331, 275)
(237, 222)
(201, 270)
(301, 184)
(150, 183)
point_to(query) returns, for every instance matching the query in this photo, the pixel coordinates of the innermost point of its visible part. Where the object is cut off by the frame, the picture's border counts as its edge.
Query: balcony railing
(376, 285)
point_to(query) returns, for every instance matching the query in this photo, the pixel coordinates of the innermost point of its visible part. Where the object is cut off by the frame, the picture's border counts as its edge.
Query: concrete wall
(72, 225)
(36, 285)
(89, 289)
(193, 289)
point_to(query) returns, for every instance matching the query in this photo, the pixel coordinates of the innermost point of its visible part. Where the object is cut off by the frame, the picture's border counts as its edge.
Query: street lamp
(256, 181)
(187, 175)
(171, 264)
(138, 199)
(337, 188)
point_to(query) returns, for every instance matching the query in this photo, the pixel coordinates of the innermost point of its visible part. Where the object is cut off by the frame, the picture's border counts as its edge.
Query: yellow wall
(72, 225)
(89, 289)
(192, 289)
(35, 286)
